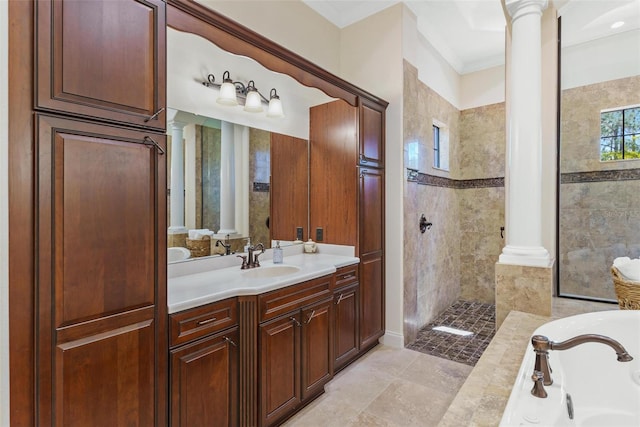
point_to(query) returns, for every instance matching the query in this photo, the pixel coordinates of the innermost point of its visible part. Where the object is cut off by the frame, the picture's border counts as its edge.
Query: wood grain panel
(346, 324)
(191, 324)
(204, 382)
(317, 347)
(248, 405)
(275, 303)
(289, 187)
(279, 368)
(372, 300)
(371, 197)
(102, 197)
(107, 379)
(372, 130)
(103, 60)
(333, 190)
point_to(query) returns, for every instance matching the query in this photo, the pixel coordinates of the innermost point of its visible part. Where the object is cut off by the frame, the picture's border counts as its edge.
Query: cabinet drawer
(191, 324)
(293, 297)
(346, 275)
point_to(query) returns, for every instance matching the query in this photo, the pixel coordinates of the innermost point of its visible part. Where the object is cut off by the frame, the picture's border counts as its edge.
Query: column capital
(176, 125)
(519, 8)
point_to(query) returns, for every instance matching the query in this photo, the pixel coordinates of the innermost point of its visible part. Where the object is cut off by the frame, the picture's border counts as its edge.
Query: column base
(525, 255)
(523, 288)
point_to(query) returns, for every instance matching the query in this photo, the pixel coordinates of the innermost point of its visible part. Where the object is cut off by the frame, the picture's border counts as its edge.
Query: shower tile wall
(259, 171)
(599, 204)
(432, 259)
(481, 155)
(456, 257)
(208, 178)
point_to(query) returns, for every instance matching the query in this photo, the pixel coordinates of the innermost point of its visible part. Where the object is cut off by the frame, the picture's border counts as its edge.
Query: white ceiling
(469, 34)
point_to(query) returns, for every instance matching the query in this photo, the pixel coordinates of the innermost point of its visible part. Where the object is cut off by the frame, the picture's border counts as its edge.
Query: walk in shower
(599, 148)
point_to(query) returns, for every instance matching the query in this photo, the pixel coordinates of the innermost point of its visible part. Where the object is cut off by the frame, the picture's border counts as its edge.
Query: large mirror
(599, 168)
(244, 174)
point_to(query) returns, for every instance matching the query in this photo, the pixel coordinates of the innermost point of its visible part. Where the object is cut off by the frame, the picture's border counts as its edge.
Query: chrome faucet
(251, 260)
(542, 345)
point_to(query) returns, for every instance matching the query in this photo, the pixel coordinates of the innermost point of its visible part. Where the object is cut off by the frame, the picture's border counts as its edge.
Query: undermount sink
(267, 272)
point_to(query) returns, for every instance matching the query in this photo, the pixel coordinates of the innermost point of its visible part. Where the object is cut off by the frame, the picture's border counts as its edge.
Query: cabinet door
(103, 58)
(101, 324)
(279, 354)
(346, 333)
(371, 199)
(371, 134)
(317, 347)
(204, 382)
(371, 299)
(289, 191)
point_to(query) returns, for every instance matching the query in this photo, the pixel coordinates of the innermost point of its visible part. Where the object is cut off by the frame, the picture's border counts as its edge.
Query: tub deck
(484, 395)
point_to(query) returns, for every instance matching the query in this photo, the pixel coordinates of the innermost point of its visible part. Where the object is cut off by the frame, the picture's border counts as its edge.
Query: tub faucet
(542, 345)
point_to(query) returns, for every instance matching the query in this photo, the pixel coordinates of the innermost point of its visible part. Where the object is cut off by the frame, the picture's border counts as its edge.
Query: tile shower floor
(474, 317)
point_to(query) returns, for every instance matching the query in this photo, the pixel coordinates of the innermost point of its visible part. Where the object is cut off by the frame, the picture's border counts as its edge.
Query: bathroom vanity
(260, 341)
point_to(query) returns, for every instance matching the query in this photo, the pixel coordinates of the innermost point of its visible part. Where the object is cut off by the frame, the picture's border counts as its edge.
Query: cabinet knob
(150, 141)
(339, 299)
(154, 115)
(313, 312)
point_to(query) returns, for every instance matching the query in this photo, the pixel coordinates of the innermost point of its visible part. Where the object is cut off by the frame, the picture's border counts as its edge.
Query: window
(620, 134)
(440, 146)
(436, 146)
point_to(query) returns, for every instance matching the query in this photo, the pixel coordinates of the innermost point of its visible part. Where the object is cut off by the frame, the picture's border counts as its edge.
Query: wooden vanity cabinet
(346, 316)
(295, 347)
(347, 200)
(204, 366)
(102, 59)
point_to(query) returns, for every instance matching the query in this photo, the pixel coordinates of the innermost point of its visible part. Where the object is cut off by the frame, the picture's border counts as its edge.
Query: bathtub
(603, 392)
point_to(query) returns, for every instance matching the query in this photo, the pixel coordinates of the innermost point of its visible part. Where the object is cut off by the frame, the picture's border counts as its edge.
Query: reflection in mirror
(599, 171)
(233, 174)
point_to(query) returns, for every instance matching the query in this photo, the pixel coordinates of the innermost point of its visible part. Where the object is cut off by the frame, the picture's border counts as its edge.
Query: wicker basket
(628, 292)
(200, 247)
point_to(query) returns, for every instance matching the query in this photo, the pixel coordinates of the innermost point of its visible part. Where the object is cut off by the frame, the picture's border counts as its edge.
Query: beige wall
(600, 220)
(431, 260)
(259, 171)
(291, 24)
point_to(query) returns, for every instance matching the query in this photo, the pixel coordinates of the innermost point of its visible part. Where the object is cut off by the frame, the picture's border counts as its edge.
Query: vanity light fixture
(253, 99)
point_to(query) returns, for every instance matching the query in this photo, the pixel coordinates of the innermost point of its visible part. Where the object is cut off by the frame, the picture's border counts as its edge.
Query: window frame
(622, 136)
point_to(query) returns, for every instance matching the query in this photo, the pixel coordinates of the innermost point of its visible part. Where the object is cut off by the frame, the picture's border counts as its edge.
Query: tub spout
(542, 345)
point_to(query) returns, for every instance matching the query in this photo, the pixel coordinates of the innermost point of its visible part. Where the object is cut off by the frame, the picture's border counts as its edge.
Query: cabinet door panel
(317, 347)
(371, 210)
(346, 324)
(204, 382)
(372, 299)
(279, 368)
(107, 379)
(98, 185)
(371, 134)
(102, 59)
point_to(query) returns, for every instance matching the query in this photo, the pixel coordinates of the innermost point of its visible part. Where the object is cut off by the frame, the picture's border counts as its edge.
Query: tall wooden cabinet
(347, 196)
(101, 217)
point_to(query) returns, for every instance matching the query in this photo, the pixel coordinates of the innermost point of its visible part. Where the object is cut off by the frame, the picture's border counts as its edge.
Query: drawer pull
(313, 312)
(204, 322)
(151, 142)
(154, 115)
(295, 321)
(347, 276)
(340, 299)
(230, 341)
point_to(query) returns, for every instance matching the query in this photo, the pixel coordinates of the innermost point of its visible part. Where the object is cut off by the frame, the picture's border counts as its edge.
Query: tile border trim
(600, 176)
(440, 181)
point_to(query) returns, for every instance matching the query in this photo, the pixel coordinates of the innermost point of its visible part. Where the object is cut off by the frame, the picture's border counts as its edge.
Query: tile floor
(397, 387)
(469, 316)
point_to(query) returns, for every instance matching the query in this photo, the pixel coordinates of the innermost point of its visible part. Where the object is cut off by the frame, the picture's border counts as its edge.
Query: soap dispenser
(278, 255)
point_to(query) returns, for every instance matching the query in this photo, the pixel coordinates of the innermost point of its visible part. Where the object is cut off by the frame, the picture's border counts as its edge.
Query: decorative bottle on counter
(278, 255)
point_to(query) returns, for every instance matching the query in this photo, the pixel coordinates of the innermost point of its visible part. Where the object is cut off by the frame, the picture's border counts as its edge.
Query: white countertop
(193, 290)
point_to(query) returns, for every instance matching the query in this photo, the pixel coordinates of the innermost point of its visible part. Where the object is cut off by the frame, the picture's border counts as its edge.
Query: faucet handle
(256, 262)
(538, 385)
(244, 262)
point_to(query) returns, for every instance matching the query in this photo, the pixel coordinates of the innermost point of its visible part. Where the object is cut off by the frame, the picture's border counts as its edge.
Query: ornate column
(176, 200)
(524, 138)
(524, 272)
